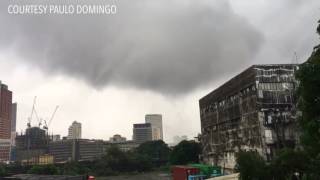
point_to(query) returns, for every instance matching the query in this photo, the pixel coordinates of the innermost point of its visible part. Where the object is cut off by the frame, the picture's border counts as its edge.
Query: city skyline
(108, 91)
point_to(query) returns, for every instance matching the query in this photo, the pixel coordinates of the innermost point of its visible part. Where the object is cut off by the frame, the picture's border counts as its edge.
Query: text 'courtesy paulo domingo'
(39, 9)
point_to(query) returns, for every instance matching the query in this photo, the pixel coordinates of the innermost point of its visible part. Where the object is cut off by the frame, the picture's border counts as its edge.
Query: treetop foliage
(185, 152)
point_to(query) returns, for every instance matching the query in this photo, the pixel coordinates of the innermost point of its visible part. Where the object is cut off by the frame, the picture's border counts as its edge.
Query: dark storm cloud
(167, 46)
(289, 29)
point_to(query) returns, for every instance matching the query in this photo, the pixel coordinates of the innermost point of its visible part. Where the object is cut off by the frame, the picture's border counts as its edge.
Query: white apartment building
(74, 131)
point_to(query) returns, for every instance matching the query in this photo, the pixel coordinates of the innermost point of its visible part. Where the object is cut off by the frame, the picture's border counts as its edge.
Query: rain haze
(108, 71)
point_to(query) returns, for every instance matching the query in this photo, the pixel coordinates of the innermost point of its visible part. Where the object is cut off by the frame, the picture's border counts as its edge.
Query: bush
(44, 169)
(288, 162)
(251, 166)
(3, 171)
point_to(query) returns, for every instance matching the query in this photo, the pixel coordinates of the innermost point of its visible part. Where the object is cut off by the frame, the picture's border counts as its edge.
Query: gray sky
(151, 57)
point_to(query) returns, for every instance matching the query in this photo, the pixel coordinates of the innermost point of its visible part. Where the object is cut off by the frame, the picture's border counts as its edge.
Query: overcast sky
(108, 71)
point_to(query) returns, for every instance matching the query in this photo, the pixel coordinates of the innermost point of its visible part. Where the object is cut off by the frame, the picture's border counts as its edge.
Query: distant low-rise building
(77, 150)
(56, 137)
(45, 159)
(117, 139)
(126, 145)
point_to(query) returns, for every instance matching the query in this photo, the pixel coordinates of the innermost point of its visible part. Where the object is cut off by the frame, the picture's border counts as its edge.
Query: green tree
(44, 169)
(101, 168)
(140, 162)
(75, 168)
(251, 166)
(288, 162)
(308, 76)
(115, 161)
(185, 152)
(3, 170)
(158, 151)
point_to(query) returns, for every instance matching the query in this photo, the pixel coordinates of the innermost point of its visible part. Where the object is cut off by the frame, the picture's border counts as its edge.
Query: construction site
(254, 111)
(32, 146)
(37, 146)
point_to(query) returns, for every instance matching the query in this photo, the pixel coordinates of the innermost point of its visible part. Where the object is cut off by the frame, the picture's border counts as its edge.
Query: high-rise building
(5, 122)
(74, 131)
(156, 122)
(13, 132)
(142, 132)
(13, 123)
(254, 111)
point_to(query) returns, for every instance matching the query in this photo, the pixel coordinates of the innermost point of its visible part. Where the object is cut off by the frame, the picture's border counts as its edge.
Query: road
(144, 176)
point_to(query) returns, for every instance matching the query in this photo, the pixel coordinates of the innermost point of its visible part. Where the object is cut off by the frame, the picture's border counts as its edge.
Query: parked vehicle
(183, 172)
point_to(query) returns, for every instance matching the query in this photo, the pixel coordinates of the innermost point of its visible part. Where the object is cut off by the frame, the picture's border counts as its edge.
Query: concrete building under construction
(31, 145)
(254, 111)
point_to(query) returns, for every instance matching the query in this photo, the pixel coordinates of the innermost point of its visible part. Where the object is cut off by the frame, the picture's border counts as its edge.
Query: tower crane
(32, 111)
(47, 124)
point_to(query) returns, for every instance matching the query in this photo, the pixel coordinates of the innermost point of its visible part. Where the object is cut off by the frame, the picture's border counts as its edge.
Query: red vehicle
(182, 172)
(91, 178)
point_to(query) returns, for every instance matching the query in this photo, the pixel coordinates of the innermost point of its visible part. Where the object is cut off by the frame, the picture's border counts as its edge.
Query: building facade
(77, 150)
(55, 137)
(31, 145)
(13, 123)
(117, 138)
(254, 111)
(126, 146)
(142, 132)
(74, 131)
(13, 132)
(5, 122)
(156, 122)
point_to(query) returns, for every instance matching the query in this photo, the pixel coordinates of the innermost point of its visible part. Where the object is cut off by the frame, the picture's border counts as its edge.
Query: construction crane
(37, 116)
(47, 124)
(32, 111)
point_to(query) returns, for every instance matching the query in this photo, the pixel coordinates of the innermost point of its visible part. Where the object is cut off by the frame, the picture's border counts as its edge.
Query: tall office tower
(74, 130)
(156, 122)
(13, 123)
(5, 122)
(142, 132)
(253, 111)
